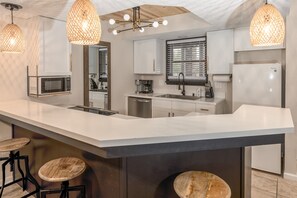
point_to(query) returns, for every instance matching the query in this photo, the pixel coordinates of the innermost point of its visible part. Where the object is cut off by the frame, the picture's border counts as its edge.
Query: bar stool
(12, 146)
(63, 170)
(198, 184)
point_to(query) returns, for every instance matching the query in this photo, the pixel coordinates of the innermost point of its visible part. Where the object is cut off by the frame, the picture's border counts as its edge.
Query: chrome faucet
(179, 88)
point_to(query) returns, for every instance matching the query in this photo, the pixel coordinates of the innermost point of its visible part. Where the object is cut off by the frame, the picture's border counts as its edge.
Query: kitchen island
(141, 157)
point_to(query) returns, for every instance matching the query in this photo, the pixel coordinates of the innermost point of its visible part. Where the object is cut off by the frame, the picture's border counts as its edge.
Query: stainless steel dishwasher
(140, 107)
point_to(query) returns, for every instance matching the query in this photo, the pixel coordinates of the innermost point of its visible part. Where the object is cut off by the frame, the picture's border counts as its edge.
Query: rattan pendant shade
(267, 27)
(12, 39)
(83, 24)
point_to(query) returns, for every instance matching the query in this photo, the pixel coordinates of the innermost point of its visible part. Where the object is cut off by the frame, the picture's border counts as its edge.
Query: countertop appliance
(140, 107)
(260, 84)
(94, 110)
(209, 91)
(144, 86)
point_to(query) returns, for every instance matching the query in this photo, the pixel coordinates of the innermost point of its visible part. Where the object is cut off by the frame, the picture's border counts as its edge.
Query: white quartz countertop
(210, 101)
(104, 131)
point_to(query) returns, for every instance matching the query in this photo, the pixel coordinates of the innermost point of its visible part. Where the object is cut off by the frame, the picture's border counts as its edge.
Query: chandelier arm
(118, 21)
(124, 30)
(144, 26)
(147, 22)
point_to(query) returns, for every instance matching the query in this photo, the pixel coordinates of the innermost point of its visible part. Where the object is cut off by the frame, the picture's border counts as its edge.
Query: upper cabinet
(54, 50)
(242, 41)
(149, 56)
(220, 52)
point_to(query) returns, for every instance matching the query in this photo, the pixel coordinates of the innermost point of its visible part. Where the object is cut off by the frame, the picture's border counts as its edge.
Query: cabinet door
(145, 57)
(242, 41)
(205, 108)
(54, 48)
(161, 108)
(220, 52)
(179, 108)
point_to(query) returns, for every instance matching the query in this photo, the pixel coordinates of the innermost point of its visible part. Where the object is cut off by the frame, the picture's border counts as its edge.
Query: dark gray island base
(144, 171)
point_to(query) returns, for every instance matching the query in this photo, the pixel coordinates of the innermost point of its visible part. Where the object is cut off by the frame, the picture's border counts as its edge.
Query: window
(189, 57)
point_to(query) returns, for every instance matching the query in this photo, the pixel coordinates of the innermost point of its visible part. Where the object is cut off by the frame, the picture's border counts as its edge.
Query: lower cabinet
(170, 108)
(173, 108)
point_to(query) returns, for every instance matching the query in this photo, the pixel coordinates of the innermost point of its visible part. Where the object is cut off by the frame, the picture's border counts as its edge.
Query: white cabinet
(161, 108)
(220, 52)
(96, 99)
(53, 48)
(171, 108)
(149, 56)
(242, 41)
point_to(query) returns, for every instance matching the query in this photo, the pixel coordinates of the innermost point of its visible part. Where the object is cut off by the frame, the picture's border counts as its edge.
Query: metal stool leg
(3, 179)
(30, 177)
(25, 183)
(83, 192)
(11, 156)
(64, 188)
(81, 189)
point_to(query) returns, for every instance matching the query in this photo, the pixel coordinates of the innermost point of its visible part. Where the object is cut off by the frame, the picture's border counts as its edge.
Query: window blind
(189, 57)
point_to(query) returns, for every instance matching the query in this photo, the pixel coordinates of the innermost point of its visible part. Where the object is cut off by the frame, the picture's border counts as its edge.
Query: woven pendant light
(267, 27)
(11, 37)
(83, 24)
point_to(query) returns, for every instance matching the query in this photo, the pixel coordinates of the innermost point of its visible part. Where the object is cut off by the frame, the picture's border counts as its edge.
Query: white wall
(291, 89)
(122, 77)
(13, 68)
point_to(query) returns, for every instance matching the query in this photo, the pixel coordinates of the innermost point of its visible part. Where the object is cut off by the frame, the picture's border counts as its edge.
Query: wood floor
(263, 186)
(272, 186)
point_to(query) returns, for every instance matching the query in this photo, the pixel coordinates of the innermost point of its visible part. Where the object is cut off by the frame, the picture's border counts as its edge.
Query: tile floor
(263, 186)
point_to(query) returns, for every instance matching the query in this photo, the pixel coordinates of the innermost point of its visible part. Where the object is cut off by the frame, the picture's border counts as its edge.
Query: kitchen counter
(141, 157)
(202, 100)
(246, 121)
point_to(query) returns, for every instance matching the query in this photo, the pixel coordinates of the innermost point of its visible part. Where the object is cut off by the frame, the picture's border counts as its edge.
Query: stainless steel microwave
(49, 85)
(55, 84)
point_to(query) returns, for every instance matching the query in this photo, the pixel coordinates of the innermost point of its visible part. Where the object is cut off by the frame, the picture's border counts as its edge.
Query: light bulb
(12, 41)
(156, 24)
(85, 25)
(141, 30)
(165, 22)
(115, 32)
(111, 21)
(126, 17)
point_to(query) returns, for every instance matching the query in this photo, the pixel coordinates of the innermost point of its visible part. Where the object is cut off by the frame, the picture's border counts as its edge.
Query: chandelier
(267, 27)
(83, 24)
(11, 37)
(135, 22)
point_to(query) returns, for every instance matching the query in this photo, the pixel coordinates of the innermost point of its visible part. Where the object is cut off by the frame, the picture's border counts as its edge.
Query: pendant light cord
(11, 9)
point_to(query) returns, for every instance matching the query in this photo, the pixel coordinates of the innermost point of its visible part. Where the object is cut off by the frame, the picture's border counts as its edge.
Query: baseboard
(290, 176)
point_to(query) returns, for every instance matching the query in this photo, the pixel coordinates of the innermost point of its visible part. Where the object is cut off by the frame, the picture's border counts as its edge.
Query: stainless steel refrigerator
(260, 84)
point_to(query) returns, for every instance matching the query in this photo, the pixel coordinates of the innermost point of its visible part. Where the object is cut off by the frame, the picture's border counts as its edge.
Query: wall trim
(290, 176)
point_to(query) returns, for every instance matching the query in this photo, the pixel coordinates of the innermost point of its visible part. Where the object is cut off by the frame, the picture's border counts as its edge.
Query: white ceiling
(228, 13)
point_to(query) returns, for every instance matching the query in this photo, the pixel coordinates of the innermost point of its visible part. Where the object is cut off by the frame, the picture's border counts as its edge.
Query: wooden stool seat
(13, 144)
(62, 169)
(198, 184)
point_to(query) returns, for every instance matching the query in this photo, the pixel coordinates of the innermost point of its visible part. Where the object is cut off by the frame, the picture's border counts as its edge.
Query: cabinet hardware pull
(204, 109)
(168, 114)
(172, 114)
(154, 65)
(146, 101)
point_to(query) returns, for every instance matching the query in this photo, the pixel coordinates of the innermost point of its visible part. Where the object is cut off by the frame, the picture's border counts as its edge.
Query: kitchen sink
(173, 96)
